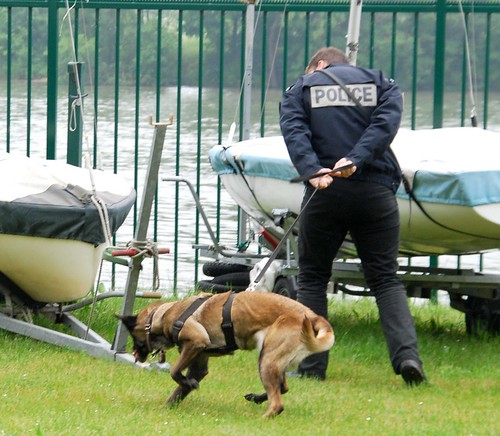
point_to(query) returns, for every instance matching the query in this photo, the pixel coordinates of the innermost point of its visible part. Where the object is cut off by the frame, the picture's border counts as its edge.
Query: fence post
(75, 121)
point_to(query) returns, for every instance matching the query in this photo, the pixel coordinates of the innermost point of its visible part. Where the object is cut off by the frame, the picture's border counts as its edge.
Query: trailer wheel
(286, 286)
(226, 282)
(215, 269)
(482, 316)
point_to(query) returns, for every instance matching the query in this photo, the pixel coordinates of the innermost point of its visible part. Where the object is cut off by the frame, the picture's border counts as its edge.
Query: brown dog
(205, 325)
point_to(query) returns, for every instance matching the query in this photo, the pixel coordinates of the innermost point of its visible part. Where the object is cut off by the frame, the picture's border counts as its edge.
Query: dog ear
(130, 321)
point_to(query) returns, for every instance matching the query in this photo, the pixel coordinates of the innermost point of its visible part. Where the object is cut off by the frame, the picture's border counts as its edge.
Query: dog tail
(317, 334)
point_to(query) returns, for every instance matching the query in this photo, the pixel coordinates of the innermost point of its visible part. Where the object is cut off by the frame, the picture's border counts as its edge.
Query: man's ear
(130, 321)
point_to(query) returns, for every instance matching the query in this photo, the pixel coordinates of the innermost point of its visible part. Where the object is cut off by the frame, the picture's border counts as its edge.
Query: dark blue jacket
(321, 124)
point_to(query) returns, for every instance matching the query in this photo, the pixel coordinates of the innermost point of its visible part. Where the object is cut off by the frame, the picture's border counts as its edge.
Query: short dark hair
(331, 55)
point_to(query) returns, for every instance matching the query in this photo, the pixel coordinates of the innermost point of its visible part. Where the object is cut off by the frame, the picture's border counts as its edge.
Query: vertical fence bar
(414, 71)
(138, 27)
(487, 53)
(222, 34)
(157, 108)
(439, 63)
(307, 39)
(285, 51)
(329, 29)
(9, 75)
(52, 60)
(76, 33)
(463, 87)
(97, 34)
(242, 74)
(439, 71)
(28, 81)
(116, 108)
(372, 40)
(198, 138)
(393, 44)
(263, 75)
(177, 143)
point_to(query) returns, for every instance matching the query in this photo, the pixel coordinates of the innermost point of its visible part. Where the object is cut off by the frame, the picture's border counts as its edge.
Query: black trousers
(369, 212)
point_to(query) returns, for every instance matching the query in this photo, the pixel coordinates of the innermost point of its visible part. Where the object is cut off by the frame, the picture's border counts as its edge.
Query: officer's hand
(344, 173)
(324, 181)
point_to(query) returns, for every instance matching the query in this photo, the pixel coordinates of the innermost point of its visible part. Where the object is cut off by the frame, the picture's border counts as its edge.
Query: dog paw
(172, 404)
(249, 397)
(255, 398)
(190, 383)
(272, 413)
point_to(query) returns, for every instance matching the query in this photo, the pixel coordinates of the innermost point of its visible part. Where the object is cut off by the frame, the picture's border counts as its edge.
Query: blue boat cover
(440, 173)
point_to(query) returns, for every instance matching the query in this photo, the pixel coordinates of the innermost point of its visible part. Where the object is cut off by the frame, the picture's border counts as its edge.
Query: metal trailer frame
(472, 292)
(18, 305)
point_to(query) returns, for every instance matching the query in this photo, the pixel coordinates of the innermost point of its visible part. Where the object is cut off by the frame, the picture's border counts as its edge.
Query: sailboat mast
(247, 97)
(352, 43)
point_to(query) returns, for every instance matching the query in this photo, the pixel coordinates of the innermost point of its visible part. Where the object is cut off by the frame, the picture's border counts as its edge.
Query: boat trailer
(17, 308)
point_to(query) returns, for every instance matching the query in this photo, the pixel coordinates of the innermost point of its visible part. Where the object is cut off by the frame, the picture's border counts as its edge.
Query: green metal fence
(189, 58)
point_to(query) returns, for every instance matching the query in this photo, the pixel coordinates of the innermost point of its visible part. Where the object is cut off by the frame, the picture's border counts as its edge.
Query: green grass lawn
(48, 390)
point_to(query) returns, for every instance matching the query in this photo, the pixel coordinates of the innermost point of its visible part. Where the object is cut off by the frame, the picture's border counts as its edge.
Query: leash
(274, 254)
(308, 177)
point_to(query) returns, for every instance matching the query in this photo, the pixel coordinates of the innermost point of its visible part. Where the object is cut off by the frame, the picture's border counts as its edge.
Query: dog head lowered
(140, 327)
(284, 330)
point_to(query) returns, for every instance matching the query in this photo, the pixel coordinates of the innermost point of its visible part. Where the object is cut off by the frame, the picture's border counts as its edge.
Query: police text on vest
(334, 95)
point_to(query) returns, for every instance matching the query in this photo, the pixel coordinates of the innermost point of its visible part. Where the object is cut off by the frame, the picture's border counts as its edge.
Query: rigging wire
(275, 53)
(240, 169)
(273, 62)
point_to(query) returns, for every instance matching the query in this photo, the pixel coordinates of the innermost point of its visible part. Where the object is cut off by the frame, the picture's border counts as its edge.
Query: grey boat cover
(52, 199)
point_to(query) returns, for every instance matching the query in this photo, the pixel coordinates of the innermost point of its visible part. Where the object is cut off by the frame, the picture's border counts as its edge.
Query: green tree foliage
(387, 41)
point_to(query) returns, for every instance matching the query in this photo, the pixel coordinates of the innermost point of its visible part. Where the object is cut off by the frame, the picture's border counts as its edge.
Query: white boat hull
(52, 235)
(453, 224)
(50, 270)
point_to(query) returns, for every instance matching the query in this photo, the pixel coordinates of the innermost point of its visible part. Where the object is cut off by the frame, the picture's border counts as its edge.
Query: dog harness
(177, 325)
(226, 325)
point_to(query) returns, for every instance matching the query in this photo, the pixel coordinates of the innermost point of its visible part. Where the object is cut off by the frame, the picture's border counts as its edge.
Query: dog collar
(147, 329)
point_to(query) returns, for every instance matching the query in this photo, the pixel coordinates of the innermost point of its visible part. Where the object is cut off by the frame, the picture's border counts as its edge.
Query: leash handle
(308, 177)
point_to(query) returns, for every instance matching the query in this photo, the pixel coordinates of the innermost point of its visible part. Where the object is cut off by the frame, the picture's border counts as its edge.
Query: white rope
(104, 217)
(148, 249)
(78, 101)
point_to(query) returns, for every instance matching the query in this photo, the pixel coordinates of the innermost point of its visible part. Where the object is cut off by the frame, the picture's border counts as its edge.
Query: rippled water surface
(198, 132)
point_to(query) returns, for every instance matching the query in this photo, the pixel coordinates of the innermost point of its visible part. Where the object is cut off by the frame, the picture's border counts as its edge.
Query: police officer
(328, 122)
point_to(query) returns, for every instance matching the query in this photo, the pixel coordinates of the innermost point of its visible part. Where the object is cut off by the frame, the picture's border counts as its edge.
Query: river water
(191, 142)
